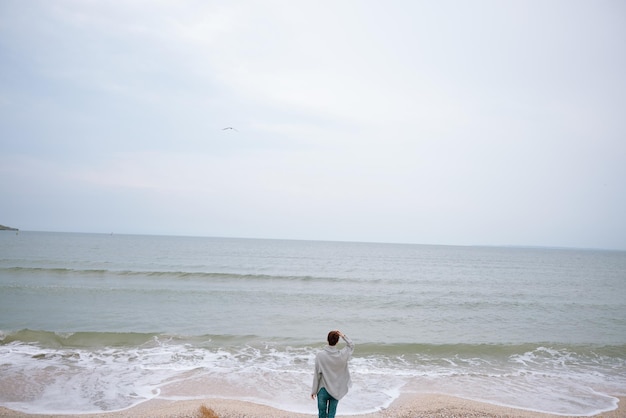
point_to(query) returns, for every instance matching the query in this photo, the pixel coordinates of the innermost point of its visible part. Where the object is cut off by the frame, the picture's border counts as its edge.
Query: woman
(331, 380)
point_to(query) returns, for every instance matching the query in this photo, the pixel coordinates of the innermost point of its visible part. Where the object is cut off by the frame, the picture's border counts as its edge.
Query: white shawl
(331, 370)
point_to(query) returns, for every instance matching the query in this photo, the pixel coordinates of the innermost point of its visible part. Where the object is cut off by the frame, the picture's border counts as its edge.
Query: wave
(88, 339)
(139, 366)
(52, 339)
(52, 270)
(169, 274)
(489, 350)
(130, 340)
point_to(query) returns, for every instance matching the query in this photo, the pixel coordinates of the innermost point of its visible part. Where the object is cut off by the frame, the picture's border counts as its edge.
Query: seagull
(229, 127)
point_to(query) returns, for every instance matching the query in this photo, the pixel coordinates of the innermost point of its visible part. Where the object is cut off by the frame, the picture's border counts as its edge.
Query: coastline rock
(7, 228)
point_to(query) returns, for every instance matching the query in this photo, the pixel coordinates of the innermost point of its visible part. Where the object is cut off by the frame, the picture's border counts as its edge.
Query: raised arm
(349, 344)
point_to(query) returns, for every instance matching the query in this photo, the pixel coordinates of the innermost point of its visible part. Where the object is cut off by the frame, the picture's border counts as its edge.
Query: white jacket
(331, 370)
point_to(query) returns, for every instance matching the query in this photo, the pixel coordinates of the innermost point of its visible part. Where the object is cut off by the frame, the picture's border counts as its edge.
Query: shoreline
(407, 406)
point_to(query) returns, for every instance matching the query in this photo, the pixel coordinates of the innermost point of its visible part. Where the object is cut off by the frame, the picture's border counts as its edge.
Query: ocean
(103, 322)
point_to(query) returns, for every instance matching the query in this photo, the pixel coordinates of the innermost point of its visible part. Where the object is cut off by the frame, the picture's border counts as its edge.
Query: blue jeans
(326, 404)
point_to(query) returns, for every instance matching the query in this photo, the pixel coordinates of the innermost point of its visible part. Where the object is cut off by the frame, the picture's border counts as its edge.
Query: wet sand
(408, 406)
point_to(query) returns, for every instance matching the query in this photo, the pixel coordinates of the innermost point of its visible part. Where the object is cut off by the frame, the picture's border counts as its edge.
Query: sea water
(97, 322)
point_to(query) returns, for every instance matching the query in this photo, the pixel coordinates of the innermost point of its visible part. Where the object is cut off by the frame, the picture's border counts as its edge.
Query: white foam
(110, 379)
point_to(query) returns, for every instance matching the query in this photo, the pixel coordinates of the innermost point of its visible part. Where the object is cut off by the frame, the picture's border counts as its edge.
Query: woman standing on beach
(331, 380)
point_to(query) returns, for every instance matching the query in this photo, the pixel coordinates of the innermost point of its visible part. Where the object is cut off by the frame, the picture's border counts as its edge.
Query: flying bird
(229, 127)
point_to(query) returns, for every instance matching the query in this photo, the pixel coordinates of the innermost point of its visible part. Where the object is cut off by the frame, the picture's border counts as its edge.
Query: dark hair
(333, 337)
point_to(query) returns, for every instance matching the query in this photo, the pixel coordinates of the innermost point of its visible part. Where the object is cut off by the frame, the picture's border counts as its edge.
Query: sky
(428, 122)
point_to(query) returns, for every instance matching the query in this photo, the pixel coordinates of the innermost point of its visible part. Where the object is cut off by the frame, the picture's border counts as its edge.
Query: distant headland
(7, 228)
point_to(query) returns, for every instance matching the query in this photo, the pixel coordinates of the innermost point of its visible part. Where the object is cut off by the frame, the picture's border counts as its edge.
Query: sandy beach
(408, 406)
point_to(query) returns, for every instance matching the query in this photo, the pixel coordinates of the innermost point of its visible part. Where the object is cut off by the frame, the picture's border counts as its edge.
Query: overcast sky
(434, 122)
